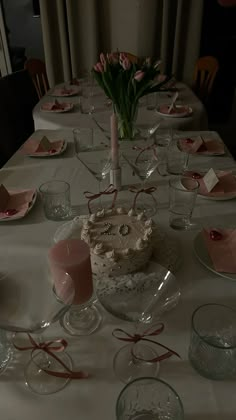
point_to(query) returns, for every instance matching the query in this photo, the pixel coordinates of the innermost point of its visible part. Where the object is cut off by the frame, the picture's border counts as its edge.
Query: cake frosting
(120, 241)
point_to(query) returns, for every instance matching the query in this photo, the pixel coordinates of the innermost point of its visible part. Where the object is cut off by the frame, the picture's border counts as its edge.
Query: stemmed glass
(29, 304)
(99, 166)
(144, 162)
(141, 298)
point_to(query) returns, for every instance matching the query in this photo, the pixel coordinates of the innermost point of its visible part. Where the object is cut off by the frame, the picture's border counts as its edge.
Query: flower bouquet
(125, 82)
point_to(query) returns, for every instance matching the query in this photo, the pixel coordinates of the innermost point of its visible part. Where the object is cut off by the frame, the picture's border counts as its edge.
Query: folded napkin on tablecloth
(63, 91)
(226, 184)
(164, 109)
(56, 106)
(42, 147)
(75, 82)
(221, 246)
(14, 203)
(200, 145)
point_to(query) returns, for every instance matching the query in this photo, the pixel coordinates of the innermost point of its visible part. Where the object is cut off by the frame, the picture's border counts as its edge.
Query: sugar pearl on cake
(92, 218)
(131, 212)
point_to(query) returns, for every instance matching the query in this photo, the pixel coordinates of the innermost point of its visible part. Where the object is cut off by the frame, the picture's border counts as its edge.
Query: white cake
(120, 242)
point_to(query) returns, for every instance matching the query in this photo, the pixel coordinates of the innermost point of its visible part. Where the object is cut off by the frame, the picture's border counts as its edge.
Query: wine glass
(143, 162)
(99, 166)
(29, 304)
(140, 297)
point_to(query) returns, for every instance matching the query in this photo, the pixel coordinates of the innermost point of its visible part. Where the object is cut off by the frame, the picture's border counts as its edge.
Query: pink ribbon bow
(50, 347)
(109, 190)
(124, 336)
(148, 190)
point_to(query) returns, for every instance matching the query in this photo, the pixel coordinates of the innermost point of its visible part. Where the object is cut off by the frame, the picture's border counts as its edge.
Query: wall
(25, 30)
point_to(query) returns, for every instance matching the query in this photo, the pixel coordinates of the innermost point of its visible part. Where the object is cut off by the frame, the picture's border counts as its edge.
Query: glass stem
(100, 198)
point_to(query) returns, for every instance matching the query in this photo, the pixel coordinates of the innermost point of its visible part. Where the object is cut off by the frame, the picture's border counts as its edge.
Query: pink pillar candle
(73, 257)
(114, 142)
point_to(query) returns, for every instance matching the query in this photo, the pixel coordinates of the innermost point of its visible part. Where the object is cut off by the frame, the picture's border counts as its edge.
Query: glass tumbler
(83, 139)
(182, 197)
(56, 199)
(149, 399)
(177, 160)
(212, 350)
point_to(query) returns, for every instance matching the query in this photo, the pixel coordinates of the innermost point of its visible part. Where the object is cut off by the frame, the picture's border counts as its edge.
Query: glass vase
(126, 124)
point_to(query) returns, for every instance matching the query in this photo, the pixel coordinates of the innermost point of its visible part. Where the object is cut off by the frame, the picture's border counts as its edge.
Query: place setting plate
(67, 92)
(66, 107)
(49, 154)
(202, 255)
(186, 112)
(17, 216)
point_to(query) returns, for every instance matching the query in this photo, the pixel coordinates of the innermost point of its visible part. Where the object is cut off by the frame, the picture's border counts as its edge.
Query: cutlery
(173, 102)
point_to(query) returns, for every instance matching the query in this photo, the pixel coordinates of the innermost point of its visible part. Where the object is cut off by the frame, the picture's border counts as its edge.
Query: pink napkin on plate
(14, 203)
(56, 106)
(63, 91)
(226, 184)
(75, 82)
(175, 110)
(39, 148)
(202, 146)
(221, 246)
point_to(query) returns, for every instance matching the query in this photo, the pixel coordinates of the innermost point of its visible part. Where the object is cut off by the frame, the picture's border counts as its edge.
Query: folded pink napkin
(56, 106)
(202, 146)
(175, 110)
(75, 82)
(65, 91)
(221, 246)
(14, 204)
(226, 184)
(38, 148)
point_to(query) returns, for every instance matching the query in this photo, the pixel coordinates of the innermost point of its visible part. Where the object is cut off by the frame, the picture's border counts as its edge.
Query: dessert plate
(65, 92)
(17, 216)
(186, 112)
(65, 107)
(49, 154)
(202, 255)
(216, 197)
(165, 248)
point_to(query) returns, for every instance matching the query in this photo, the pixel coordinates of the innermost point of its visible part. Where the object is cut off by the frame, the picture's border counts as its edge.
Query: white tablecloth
(95, 398)
(49, 120)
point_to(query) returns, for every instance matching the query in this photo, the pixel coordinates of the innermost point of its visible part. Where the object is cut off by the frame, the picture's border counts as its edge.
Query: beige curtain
(76, 31)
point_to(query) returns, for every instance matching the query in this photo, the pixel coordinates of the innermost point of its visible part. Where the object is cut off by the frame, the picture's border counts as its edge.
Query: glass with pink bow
(32, 298)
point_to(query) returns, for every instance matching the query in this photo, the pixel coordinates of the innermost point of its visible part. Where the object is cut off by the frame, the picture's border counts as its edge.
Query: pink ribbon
(124, 336)
(109, 190)
(148, 190)
(50, 347)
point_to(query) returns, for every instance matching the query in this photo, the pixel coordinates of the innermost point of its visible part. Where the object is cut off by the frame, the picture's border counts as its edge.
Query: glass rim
(187, 178)
(155, 380)
(203, 338)
(56, 181)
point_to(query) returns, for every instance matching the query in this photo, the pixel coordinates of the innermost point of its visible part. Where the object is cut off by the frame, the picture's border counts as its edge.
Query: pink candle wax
(114, 142)
(73, 257)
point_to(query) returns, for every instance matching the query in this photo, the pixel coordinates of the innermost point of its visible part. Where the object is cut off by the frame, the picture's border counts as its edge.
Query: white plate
(219, 198)
(42, 155)
(180, 115)
(74, 91)
(67, 108)
(204, 258)
(16, 217)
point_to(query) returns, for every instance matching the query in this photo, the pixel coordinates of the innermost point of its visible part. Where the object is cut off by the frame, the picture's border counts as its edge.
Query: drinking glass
(143, 164)
(73, 256)
(177, 160)
(212, 350)
(99, 166)
(83, 139)
(29, 304)
(56, 199)
(182, 197)
(141, 298)
(149, 399)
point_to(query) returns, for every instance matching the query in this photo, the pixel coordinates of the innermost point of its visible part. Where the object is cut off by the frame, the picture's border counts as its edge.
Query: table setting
(123, 256)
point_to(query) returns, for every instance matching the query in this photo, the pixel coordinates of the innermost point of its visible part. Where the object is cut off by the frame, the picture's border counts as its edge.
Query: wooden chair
(17, 100)
(37, 71)
(204, 75)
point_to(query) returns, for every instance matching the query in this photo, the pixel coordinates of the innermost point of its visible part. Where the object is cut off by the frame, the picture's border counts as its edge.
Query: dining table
(196, 120)
(95, 398)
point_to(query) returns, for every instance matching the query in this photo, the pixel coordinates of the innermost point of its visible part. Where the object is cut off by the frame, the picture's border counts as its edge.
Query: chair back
(37, 71)
(17, 100)
(204, 75)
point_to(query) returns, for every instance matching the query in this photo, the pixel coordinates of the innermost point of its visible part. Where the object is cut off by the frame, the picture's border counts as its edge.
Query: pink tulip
(98, 67)
(126, 64)
(139, 75)
(102, 59)
(161, 78)
(112, 58)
